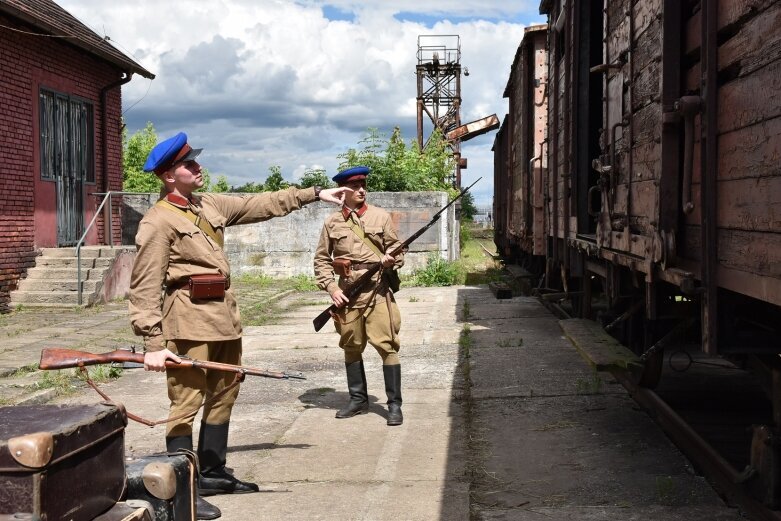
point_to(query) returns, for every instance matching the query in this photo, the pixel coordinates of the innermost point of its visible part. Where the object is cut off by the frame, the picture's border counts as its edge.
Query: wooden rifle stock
(351, 292)
(60, 358)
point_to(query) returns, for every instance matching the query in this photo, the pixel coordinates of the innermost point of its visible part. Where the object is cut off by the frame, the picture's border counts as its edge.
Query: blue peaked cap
(166, 153)
(356, 172)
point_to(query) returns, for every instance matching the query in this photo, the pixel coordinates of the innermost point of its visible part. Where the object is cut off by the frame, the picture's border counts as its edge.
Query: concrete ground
(503, 421)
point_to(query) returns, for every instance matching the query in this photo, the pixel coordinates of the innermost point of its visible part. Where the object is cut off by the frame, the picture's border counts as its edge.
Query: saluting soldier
(352, 240)
(180, 255)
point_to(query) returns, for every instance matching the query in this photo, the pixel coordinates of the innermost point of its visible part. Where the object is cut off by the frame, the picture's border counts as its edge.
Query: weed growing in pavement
(591, 385)
(414, 299)
(465, 314)
(25, 370)
(61, 381)
(101, 373)
(465, 340)
(5, 401)
(555, 426)
(505, 342)
(665, 488)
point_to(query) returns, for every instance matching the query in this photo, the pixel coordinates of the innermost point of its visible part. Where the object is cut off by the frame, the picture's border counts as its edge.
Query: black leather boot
(203, 509)
(392, 374)
(174, 443)
(212, 451)
(356, 385)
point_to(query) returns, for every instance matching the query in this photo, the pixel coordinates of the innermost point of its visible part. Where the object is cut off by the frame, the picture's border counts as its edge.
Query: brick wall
(28, 62)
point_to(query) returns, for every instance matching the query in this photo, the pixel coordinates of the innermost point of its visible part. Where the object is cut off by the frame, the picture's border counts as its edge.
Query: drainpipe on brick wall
(104, 142)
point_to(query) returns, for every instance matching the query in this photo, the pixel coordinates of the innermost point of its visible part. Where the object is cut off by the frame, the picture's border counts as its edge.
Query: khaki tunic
(337, 240)
(171, 249)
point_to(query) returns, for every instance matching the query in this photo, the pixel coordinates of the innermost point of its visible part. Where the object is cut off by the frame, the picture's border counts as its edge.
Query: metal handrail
(106, 197)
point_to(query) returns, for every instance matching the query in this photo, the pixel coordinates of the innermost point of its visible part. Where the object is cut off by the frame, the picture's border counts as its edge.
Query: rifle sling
(357, 230)
(151, 423)
(204, 225)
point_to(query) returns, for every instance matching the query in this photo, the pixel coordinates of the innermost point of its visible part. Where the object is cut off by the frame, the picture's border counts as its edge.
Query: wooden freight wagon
(524, 156)
(664, 181)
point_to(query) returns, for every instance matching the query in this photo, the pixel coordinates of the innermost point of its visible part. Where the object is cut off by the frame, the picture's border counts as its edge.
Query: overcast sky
(294, 83)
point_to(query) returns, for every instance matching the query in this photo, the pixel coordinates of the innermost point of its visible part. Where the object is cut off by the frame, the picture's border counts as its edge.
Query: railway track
(706, 406)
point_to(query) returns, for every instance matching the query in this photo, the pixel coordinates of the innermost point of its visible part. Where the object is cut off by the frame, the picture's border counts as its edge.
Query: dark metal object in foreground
(59, 358)
(351, 292)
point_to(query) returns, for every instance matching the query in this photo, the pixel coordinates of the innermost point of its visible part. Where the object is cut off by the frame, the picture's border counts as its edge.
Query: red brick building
(60, 132)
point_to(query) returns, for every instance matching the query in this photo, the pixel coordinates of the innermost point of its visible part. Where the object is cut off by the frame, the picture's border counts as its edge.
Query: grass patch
(101, 373)
(437, 272)
(665, 488)
(254, 279)
(591, 385)
(556, 426)
(24, 370)
(303, 283)
(61, 381)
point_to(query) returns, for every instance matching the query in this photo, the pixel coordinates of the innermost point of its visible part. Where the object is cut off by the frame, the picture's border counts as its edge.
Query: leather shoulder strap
(359, 232)
(203, 224)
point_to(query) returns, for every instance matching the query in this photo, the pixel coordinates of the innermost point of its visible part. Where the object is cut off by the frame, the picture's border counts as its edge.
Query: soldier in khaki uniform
(179, 239)
(350, 242)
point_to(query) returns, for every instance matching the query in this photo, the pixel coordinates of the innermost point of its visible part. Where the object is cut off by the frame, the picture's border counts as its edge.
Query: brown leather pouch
(207, 287)
(342, 267)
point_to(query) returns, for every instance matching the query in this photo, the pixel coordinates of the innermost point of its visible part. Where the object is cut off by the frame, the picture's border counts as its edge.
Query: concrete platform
(503, 421)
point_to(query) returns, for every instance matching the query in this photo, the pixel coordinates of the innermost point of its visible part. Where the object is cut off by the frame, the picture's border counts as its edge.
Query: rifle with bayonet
(355, 289)
(60, 358)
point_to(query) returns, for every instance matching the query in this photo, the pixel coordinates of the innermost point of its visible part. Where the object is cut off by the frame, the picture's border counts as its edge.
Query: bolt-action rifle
(60, 358)
(352, 291)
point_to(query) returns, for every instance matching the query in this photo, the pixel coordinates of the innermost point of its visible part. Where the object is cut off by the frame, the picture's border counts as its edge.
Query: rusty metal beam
(473, 129)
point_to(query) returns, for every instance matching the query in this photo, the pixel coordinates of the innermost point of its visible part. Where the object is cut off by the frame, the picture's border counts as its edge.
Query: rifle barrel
(61, 358)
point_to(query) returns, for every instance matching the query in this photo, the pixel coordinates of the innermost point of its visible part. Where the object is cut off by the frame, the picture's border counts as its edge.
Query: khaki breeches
(189, 387)
(357, 327)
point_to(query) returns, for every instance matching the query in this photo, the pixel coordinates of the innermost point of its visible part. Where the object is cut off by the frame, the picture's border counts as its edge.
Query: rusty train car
(649, 192)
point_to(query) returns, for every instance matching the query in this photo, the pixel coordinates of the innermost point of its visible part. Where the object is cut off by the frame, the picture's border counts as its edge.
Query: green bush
(465, 234)
(438, 272)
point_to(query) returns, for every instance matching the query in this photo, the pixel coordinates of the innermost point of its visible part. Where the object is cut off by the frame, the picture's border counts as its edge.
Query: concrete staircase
(52, 282)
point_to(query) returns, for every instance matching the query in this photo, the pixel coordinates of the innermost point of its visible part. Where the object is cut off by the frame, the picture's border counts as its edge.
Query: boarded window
(67, 137)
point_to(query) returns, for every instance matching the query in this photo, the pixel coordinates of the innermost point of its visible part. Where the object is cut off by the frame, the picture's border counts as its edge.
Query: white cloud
(274, 82)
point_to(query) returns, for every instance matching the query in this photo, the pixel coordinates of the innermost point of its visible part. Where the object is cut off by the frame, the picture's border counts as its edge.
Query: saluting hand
(334, 195)
(155, 360)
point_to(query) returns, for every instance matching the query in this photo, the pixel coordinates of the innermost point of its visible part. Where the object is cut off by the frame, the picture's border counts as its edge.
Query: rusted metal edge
(716, 469)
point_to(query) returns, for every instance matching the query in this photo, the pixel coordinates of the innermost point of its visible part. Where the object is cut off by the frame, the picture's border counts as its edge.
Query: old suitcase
(61, 462)
(168, 482)
(133, 510)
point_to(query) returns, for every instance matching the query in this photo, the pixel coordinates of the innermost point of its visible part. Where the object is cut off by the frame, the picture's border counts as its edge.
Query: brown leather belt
(363, 265)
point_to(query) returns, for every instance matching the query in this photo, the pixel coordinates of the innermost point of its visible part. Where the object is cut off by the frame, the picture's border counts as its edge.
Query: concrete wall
(285, 246)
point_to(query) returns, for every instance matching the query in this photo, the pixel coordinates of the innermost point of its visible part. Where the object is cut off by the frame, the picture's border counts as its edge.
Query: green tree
(275, 181)
(221, 185)
(135, 150)
(397, 167)
(468, 208)
(247, 188)
(316, 177)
